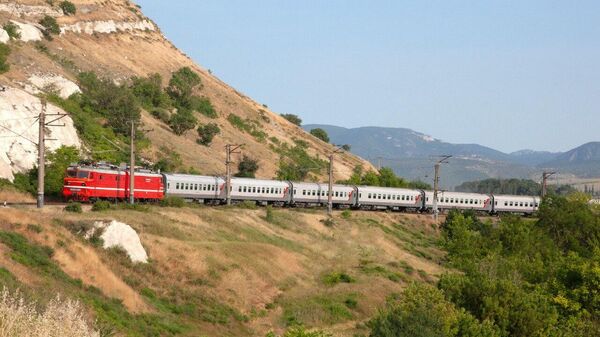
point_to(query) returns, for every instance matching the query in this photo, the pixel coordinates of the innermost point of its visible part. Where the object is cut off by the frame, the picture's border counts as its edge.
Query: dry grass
(11, 195)
(59, 318)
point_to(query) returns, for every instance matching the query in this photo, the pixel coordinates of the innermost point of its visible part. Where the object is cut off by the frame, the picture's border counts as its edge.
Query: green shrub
(294, 119)
(182, 121)
(181, 86)
(328, 222)
(101, 205)
(12, 30)
(50, 26)
(73, 207)
(247, 167)
(351, 303)
(207, 133)
(172, 202)
(34, 228)
(203, 106)
(346, 214)
(269, 213)
(321, 134)
(161, 114)
(4, 52)
(338, 277)
(68, 7)
(247, 204)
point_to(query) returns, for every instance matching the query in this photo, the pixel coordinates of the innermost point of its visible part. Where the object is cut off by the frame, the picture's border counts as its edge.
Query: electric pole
(436, 181)
(42, 124)
(132, 165)
(41, 154)
(229, 148)
(330, 189)
(545, 176)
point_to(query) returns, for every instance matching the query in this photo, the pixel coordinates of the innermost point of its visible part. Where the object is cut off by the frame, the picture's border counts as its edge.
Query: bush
(50, 26)
(12, 30)
(149, 91)
(338, 277)
(4, 52)
(181, 86)
(68, 7)
(247, 167)
(73, 207)
(203, 106)
(346, 214)
(207, 133)
(172, 202)
(294, 119)
(161, 114)
(321, 134)
(181, 121)
(101, 205)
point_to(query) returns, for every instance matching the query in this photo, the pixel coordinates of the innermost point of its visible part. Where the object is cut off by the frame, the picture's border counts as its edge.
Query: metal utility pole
(436, 181)
(42, 124)
(132, 165)
(545, 176)
(41, 155)
(330, 189)
(229, 148)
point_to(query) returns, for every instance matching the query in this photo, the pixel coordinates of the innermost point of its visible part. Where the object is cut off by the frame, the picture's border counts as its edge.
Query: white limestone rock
(63, 86)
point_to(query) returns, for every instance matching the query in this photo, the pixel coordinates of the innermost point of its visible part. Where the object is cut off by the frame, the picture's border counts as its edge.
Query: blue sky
(506, 74)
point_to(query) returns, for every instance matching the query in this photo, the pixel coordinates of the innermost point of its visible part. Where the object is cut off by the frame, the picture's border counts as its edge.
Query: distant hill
(411, 154)
(583, 161)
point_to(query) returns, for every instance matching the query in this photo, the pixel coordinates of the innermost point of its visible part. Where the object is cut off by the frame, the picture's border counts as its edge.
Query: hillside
(115, 40)
(218, 271)
(583, 161)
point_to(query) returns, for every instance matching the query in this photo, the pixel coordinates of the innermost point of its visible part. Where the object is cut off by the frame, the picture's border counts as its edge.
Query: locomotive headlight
(82, 184)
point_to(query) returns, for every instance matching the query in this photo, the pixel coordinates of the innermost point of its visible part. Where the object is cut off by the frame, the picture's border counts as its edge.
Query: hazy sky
(506, 74)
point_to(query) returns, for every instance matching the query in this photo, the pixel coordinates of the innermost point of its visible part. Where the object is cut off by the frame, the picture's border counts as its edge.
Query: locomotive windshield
(71, 173)
(82, 174)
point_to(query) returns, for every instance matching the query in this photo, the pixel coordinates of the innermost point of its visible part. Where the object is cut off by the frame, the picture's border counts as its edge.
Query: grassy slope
(224, 272)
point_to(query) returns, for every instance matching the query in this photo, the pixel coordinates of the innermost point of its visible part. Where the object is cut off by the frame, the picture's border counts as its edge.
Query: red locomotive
(108, 182)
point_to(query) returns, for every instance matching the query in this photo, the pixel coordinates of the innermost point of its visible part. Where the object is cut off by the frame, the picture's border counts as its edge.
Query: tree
(294, 119)
(346, 147)
(182, 121)
(58, 161)
(4, 52)
(321, 134)
(181, 86)
(207, 133)
(247, 167)
(149, 91)
(422, 311)
(203, 106)
(387, 178)
(68, 7)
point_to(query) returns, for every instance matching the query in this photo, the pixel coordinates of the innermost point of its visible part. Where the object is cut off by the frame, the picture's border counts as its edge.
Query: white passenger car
(193, 187)
(261, 190)
(392, 198)
(459, 200)
(516, 204)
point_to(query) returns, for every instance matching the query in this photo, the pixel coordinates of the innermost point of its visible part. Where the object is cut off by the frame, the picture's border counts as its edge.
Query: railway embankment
(221, 270)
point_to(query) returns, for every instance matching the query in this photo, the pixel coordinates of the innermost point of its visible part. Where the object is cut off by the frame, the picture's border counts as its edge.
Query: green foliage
(296, 164)
(101, 205)
(529, 277)
(203, 106)
(169, 162)
(161, 114)
(247, 167)
(510, 186)
(337, 277)
(299, 331)
(294, 119)
(207, 133)
(181, 87)
(248, 125)
(58, 161)
(26, 182)
(422, 311)
(321, 134)
(346, 147)
(67, 7)
(73, 207)
(149, 92)
(346, 214)
(4, 52)
(12, 30)
(181, 121)
(171, 201)
(50, 26)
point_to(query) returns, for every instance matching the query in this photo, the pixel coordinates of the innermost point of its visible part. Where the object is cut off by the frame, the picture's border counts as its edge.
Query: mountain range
(411, 154)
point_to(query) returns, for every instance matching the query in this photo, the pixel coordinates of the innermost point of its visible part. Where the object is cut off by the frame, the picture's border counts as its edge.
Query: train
(90, 183)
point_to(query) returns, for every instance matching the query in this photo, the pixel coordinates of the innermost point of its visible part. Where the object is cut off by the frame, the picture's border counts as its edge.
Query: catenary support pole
(41, 155)
(132, 165)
